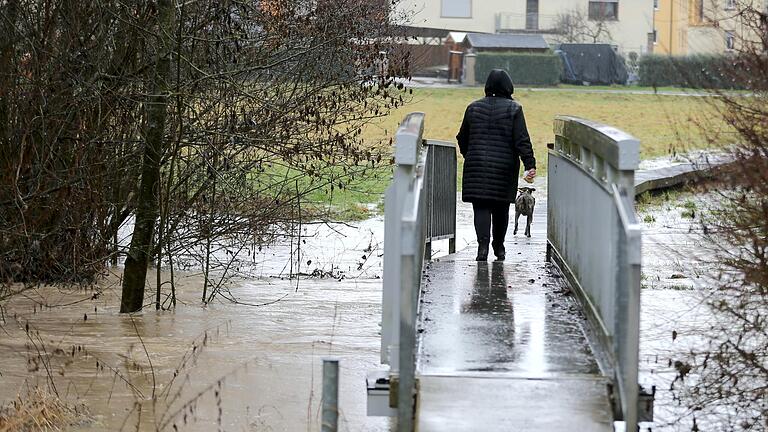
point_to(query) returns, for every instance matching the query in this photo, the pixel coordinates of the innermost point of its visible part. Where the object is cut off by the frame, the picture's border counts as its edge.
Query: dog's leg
(528, 225)
(517, 216)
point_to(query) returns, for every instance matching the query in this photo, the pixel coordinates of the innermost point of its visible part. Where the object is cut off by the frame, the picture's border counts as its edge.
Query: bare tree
(204, 126)
(574, 26)
(725, 382)
(155, 142)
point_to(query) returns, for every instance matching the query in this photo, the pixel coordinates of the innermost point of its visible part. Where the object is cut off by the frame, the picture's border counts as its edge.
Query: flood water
(259, 362)
(674, 311)
(258, 368)
(265, 362)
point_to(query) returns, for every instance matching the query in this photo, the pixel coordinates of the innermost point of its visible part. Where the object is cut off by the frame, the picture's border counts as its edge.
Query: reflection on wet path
(503, 347)
(489, 317)
(514, 316)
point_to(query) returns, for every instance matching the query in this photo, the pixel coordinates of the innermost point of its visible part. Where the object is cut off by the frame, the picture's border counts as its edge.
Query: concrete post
(468, 75)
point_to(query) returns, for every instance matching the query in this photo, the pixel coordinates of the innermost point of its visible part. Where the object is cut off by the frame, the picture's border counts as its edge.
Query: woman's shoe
(499, 251)
(482, 251)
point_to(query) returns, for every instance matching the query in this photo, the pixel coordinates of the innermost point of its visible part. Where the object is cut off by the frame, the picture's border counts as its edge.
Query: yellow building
(685, 27)
(670, 24)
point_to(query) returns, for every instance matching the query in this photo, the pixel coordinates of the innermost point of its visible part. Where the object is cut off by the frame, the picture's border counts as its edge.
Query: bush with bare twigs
(204, 126)
(724, 383)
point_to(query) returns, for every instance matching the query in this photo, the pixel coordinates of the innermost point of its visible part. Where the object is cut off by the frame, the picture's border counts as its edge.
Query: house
(625, 24)
(685, 27)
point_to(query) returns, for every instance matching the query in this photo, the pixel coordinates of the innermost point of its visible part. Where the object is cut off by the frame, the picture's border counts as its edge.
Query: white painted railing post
(594, 237)
(407, 153)
(419, 207)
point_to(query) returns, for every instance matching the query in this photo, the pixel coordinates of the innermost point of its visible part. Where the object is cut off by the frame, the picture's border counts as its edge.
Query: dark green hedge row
(699, 71)
(532, 69)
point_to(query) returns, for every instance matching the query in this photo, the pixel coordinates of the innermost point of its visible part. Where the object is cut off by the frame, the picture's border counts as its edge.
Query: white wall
(630, 33)
(705, 40)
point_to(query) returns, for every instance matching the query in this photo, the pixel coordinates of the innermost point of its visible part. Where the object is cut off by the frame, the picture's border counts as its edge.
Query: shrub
(699, 71)
(524, 68)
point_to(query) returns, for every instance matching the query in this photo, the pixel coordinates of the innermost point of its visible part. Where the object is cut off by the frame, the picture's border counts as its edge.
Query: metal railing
(513, 21)
(440, 186)
(595, 239)
(419, 207)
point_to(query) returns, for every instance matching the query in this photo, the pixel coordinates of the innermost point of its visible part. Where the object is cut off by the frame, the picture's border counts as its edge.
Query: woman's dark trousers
(491, 215)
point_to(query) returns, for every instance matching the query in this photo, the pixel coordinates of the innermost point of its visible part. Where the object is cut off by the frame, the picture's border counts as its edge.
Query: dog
(524, 205)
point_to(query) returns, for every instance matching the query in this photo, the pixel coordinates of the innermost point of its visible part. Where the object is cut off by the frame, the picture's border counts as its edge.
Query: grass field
(662, 123)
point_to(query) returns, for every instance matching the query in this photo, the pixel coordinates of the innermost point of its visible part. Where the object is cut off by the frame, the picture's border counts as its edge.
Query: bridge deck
(502, 345)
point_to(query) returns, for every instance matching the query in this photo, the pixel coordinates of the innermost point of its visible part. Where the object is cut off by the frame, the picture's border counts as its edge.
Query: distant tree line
(197, 123)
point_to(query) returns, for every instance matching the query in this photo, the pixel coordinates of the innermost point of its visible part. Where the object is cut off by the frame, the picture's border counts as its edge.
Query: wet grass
(650, 201)
(349, 202)
(339, 196)
(688, 205)
(684, 200)
(689, 209)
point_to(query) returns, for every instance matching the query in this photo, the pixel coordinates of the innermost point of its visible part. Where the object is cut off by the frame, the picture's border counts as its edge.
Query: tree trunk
(147, 201)
(7, 29)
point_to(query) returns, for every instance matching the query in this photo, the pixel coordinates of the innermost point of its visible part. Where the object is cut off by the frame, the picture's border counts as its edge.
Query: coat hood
(499, 84)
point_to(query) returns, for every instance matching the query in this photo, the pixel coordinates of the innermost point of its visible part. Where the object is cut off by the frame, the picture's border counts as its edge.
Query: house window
(656, 4)
(532, 15)
(696, 12)
(456, 9)
(730, 40)
(607, 10)
(655, 37)
(730, 4)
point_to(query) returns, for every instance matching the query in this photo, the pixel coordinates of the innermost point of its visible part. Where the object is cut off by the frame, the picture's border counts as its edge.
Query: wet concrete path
(502, 345)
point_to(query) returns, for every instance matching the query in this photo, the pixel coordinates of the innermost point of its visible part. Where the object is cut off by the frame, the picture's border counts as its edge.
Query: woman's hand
(530, 175)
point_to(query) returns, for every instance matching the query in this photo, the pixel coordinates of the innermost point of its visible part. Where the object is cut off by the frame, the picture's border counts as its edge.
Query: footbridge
(546, 340)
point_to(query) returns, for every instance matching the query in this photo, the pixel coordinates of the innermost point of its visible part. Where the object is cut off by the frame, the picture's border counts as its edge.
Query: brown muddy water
(239, 368)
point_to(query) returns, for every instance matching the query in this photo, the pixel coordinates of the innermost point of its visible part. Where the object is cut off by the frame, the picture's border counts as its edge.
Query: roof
(511, 41)
(458, 37)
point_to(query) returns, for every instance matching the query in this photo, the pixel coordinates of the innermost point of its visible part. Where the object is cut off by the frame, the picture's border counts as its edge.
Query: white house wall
(630, 32)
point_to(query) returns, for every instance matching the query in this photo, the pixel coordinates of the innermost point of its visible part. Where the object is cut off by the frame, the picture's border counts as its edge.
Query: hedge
(524, 68)
(698, 71)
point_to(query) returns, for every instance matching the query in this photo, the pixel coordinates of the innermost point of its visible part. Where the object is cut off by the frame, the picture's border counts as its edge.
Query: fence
(594, 237)
(507, 22)
(420, 206)
(440, 187)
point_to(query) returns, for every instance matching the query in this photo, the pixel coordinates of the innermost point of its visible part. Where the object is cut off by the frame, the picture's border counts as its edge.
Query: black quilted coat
(493, 139)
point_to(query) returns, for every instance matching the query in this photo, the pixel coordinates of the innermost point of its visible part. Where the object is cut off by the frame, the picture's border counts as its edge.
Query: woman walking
(493, 139)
